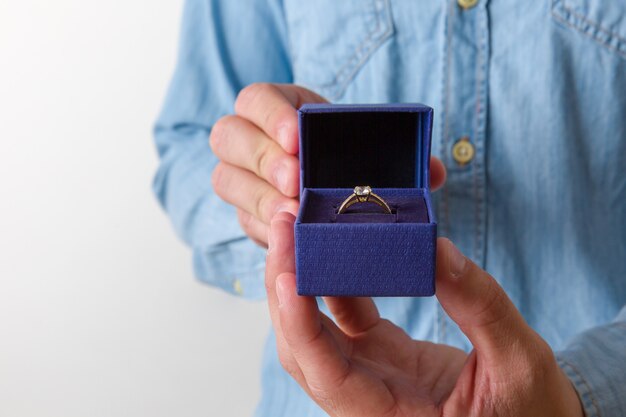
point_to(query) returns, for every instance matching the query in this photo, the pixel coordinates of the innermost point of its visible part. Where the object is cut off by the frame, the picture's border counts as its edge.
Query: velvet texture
(407, 206)
(364, 251)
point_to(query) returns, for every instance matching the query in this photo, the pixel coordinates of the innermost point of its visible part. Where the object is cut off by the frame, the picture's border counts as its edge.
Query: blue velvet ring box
(365, 252)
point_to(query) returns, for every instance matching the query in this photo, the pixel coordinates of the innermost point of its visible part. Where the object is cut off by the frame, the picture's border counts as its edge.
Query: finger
(281, 259)
(336, 384)
(272, 107)
(254, 228)
(250, 193)
(353, 315)
(324, 385)
(310, 341)
(239, 142)
(475, 301)
(437, 173)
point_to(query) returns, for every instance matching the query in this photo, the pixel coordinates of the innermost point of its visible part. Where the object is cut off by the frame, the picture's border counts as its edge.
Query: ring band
(363, 194)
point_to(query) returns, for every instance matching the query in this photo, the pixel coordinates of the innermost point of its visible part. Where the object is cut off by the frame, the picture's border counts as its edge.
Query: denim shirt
(533, 94)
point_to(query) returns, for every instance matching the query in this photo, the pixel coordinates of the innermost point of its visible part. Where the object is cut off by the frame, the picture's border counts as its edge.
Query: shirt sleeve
(595, 362)
(224, 46)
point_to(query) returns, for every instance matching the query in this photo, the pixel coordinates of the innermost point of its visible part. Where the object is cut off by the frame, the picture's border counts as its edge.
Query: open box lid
(380, 145)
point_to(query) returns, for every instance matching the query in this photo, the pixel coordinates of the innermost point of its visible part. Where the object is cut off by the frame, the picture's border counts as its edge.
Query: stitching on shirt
(589, 35)
(446, 118)
(291, 50)
(445, 133)
(355, 55)
(591, 22)
(363, 52)
(475, 165)
(605, 42)
(375, 43)
(585, 383)
(481, 105)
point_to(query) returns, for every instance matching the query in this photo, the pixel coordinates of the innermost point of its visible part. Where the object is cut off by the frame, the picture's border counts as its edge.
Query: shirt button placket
(461, 204)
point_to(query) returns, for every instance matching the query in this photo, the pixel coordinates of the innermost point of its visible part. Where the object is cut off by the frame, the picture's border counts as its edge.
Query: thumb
(475, 301)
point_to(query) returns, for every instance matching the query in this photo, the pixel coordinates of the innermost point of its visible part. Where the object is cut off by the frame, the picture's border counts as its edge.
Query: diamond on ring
(363, 194)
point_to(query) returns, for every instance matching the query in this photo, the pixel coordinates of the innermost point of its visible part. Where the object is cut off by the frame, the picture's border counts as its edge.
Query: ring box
(364, 251)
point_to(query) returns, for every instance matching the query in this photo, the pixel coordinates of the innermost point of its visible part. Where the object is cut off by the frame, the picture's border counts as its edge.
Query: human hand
(259, 172)
(366, 366)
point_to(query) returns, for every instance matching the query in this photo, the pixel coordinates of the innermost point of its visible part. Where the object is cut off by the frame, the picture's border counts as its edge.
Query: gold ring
(363, 194)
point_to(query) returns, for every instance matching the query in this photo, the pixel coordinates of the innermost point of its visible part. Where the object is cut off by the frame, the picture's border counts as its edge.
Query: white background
(99, 312)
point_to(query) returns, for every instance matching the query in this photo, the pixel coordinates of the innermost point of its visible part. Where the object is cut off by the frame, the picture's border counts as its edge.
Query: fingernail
(287, 208)
(283, 136)
(280, 290)
(281, 176)
(456, 261)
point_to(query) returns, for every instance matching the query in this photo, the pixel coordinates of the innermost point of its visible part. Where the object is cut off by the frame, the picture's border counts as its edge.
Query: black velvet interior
(346, 149)
(407, 205)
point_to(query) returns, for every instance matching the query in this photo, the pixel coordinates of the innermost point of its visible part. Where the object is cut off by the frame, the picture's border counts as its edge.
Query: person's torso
(537, 90)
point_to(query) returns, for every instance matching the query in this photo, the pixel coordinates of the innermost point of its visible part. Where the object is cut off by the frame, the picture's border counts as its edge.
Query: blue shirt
(537, 90)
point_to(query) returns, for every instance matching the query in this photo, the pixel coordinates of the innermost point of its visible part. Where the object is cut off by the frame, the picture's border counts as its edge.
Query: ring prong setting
(363, 192)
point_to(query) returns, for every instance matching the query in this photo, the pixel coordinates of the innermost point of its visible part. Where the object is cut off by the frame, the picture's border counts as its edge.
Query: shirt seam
(564, 20)
(446, 118)
(481, 105)
(477, 157)
(590, 22)
(577, 376)
(362, 52)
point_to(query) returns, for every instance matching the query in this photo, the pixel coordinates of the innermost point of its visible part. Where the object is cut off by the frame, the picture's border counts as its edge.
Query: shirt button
(463, 151)
(467, 4)
(238, 287)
